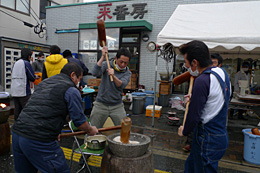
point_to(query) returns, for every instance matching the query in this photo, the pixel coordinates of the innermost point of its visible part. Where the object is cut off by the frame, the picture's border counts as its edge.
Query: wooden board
(249, 97)
(235, 101)
(94, 82)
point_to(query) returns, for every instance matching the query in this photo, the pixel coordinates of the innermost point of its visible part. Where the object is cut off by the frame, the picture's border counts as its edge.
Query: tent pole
(155, 84)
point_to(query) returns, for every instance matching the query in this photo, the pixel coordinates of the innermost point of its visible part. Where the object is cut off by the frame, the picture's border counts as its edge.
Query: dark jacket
(44, 115)
(82, 65)
(37, 66)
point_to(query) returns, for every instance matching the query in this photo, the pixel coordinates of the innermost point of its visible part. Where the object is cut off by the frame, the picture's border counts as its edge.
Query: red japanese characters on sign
(138, 11)
(104, 10)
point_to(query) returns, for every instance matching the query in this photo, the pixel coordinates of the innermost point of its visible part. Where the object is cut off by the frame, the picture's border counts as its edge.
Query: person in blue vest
(36, 131)
(217, 61)
(207, 113)
(68, 55)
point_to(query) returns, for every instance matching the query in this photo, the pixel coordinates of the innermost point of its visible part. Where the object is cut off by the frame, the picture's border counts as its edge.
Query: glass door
(131, 41)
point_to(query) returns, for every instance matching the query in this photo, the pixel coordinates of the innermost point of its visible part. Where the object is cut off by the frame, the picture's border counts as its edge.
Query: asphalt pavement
(166, 145)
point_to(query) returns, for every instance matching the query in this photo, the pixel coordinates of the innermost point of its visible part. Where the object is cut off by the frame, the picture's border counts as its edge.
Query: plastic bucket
(138, 102)
(251, 147)
(163, 100)
(149, 98)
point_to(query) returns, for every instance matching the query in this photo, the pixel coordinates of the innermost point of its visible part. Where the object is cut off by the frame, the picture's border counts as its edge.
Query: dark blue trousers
(31, 156)
(204, 160)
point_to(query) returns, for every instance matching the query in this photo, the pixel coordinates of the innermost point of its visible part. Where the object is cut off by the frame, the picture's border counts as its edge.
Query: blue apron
(210, 140)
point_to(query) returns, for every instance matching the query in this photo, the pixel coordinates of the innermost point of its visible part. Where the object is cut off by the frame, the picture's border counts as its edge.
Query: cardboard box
(165, 88)
(134, 75)
(149, 110)
(131, 85)
(132, 82)
(94, 82)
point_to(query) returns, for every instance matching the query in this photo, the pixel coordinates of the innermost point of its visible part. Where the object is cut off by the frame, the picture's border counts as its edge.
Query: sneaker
(186, 148)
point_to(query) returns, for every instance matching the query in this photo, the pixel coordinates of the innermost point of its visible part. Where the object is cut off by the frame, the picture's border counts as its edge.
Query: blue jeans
(31, 156)
(206, 151)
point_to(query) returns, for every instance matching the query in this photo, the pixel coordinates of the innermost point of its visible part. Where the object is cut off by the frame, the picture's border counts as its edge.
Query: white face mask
(120, 68)
(245, 69)
(78, 84)
(194, 73)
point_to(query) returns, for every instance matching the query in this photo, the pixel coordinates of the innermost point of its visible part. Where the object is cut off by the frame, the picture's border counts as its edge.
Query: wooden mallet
(181, 78)
(188, 103)
(102, 39)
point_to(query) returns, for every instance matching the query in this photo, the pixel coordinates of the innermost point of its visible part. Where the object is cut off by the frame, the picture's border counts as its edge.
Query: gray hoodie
(37, 66)
(108, 92)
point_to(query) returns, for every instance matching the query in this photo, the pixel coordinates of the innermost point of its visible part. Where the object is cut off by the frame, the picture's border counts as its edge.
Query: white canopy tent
(230, 28)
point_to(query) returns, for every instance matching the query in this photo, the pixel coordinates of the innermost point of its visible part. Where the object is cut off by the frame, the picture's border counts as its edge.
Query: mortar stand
(131, 158)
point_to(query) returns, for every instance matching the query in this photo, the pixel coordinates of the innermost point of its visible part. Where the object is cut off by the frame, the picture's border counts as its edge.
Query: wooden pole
(108, 65)
(84, 132)
(188, 103)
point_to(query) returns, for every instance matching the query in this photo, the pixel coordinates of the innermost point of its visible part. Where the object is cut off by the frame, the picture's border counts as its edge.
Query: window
(23, 6)
(18, 5)
(88, 39)
(43, 4)
(130, 38)
(8, 3)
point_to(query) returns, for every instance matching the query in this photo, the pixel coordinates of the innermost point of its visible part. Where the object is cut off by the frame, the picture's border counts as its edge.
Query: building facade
(22, 25)
(133, 24)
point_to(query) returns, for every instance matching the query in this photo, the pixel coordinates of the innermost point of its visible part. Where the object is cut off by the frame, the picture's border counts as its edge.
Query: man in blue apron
(207, 113)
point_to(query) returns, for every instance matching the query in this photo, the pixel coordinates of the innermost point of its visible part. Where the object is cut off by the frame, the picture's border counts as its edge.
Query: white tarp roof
(230, 27)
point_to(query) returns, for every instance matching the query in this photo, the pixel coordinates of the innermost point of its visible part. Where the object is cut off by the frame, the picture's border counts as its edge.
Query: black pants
(19, 103)
(189, 139)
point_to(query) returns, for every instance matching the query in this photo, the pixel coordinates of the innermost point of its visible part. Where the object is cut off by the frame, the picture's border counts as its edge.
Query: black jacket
(44, 115)
(82, 65)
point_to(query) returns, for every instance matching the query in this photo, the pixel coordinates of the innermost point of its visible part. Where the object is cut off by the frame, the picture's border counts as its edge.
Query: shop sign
(93, 44)
(20, 45)
(121, 11)
(111, 44)
(86, 44)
